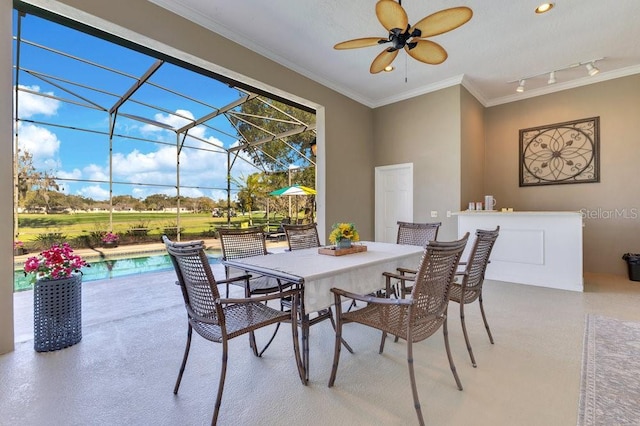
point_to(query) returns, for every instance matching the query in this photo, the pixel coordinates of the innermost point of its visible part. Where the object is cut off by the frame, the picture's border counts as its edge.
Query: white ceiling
(504, 42)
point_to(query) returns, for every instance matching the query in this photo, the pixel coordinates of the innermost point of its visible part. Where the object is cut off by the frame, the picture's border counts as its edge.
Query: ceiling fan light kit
(412, 39)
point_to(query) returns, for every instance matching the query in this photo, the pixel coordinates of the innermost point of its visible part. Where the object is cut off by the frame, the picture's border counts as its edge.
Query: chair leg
(270, 340)
(403, 294)
(223, 373)
(252, 343)
(414, 387)
(338, 344)
(333, 324)
(382, 340)
(484, 318)
(184, 360)
(296, 346)
(445, 332)
(464, 331)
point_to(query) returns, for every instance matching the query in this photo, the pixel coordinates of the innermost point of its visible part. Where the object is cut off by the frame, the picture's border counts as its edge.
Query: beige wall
(425, 131)
(6, 181)
(472, 150)
(614, 202)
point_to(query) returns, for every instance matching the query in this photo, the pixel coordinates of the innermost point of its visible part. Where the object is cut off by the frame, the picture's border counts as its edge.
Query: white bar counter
(535, 248)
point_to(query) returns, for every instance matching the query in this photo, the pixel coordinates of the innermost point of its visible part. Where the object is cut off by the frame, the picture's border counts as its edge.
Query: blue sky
(83, 155)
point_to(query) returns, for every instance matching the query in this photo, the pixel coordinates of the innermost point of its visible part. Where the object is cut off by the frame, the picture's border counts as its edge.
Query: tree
(253, 190)
(31, 180)
(126, 202)
(274, 118)
(156, 202)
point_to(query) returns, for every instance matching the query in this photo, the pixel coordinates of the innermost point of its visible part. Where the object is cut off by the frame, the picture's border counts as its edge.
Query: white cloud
(37, 141)
(74, 174)
(95, 192)
(30, 104)
(95, 172)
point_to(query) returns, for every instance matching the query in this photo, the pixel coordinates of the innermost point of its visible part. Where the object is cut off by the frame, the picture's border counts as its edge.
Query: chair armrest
(234, 279)
(406, 271)
(399, 277)
(371, 299)
(272, 296)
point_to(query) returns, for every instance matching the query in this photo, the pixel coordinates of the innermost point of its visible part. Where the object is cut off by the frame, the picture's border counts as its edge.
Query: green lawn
(38, 231)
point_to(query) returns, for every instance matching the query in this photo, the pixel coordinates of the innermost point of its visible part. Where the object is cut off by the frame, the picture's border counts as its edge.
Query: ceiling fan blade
(391, 15)
(428, 52)
(360, 42)
(382, 60)
(443, 21)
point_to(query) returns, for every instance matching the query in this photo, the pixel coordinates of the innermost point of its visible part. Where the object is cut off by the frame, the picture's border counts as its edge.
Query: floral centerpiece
(56, 263)
(110, 238)
(342, 234)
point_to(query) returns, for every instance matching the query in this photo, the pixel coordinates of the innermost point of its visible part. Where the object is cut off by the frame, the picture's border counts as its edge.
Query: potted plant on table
(57, 297)
(343, 234)
(110, 240)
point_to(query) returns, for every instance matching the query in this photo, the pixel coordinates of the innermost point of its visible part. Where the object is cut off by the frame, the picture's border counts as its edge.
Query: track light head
(552, 78)
(591, 69)
(520, 88)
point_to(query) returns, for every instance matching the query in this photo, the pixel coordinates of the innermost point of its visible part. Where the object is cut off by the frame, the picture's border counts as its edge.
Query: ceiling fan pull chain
(406, 68)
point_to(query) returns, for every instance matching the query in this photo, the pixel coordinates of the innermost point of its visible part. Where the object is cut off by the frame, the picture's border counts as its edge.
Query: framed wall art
(560, 153)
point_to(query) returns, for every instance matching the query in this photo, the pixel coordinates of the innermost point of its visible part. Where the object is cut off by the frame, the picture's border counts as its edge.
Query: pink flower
(110, 238)
(57, 262)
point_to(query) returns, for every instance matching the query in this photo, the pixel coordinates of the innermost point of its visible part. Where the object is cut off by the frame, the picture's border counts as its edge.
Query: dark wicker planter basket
(57, 313)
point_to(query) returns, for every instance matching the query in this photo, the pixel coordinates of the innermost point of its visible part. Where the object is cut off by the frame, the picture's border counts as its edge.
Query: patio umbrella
(294, 190)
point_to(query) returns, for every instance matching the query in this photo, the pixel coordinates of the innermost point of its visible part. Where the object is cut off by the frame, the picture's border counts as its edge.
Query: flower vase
(57, 313)
(344, 243)
(110, 244)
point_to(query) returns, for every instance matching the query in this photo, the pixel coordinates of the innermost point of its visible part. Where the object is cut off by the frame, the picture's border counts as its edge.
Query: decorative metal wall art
(560, 153)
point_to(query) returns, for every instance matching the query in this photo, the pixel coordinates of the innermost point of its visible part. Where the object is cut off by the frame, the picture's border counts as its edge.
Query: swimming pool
(112, 268)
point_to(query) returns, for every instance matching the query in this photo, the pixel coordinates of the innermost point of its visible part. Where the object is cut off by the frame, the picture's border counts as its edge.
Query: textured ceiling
(504, 42)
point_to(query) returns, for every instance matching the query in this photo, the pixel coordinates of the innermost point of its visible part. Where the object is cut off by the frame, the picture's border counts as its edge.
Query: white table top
(358, 272)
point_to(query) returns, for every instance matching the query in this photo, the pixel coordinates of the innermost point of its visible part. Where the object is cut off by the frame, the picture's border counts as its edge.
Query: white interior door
(394, 199)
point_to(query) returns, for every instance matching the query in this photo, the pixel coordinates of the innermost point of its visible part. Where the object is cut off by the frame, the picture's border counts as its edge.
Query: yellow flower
(343, 230)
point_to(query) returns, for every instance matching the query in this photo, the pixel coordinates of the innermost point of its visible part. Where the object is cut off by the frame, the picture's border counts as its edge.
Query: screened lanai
(100, 120)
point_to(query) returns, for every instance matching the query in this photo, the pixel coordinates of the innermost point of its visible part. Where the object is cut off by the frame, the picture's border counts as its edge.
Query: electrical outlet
(448, 213)
(434, 213)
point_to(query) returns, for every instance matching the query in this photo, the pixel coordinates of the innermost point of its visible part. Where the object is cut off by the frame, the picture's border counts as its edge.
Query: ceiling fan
(393, 17)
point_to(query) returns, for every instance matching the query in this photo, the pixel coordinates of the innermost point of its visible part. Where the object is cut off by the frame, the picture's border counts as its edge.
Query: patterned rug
(610, 389)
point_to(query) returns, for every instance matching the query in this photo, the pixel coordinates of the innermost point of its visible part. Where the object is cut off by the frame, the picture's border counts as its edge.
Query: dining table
(318, 273)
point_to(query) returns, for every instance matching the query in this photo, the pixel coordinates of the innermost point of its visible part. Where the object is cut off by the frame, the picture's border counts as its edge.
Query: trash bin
(633, 264)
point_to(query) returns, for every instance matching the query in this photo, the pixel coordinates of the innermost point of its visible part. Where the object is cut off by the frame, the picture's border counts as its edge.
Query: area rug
(610, 389)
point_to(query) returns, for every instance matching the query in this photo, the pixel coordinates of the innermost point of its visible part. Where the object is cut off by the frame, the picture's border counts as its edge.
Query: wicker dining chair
(470, 289)
(415, 234)
(217, 319)
(413, 319)
(247, 242)
(301, 237)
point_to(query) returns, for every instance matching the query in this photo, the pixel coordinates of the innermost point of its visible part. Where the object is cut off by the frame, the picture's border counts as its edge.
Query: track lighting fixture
(591, 68)
(590, 65)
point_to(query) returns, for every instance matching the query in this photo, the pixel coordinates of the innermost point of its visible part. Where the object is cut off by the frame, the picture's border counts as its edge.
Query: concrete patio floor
(123, 370)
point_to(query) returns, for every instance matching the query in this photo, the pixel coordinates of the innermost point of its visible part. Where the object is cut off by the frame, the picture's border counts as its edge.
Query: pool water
(112, 268)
